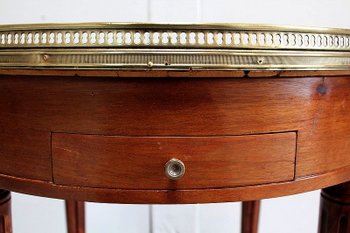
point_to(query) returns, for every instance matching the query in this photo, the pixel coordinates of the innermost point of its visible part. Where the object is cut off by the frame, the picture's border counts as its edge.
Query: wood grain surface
(188, 196)
(138, 162)
(32, 107)
(335, 209)
(250, 216)
(75, 216)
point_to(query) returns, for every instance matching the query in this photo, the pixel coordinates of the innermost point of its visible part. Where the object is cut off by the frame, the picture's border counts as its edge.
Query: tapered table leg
(75, 213)
(5, 212)
(250, 216)
(335, 209)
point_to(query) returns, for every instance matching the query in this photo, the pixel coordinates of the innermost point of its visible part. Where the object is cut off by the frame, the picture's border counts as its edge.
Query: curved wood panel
(34, 107)
(138, 162)
(127, 196)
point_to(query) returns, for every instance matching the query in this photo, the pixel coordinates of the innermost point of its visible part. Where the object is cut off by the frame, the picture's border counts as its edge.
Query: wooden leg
(5, 212)
(75, 213)
(250, 216)
(335, 209)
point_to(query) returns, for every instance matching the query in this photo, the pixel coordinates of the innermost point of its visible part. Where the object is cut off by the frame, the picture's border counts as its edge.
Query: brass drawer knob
(174, 169)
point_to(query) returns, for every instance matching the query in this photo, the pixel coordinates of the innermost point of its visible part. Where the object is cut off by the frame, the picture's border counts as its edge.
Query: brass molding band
(174, 60)
(177, 46)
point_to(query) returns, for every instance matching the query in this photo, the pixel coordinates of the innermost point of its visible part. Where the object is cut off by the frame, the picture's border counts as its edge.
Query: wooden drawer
(138, 162)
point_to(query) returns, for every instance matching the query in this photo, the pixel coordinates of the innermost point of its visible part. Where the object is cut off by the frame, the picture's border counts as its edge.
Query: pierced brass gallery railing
(173, 46)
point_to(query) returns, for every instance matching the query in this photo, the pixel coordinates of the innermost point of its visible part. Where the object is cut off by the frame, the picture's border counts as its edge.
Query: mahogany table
(165, 114)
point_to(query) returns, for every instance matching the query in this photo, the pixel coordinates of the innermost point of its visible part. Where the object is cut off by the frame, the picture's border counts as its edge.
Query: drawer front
(139, 162)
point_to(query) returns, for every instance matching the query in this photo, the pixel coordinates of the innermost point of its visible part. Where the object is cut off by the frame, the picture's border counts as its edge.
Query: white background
(294, 214)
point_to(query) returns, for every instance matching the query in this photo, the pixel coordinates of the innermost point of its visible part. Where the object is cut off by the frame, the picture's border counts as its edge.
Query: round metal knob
(174, 169)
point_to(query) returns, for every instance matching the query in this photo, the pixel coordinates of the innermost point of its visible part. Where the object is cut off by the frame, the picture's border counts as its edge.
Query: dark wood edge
(173, 74)
(250, 216)
(75, 216)
(5, 196)
(247, 193)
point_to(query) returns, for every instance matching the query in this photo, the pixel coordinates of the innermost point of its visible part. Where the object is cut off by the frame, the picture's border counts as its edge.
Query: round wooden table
(175, 114)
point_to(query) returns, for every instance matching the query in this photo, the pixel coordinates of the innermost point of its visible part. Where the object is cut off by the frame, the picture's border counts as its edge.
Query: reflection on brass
(173, 46)
(174, 169)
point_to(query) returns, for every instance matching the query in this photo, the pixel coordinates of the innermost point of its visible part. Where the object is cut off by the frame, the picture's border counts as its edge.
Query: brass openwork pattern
(215, 46)
(122, 38)
(172, 36)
